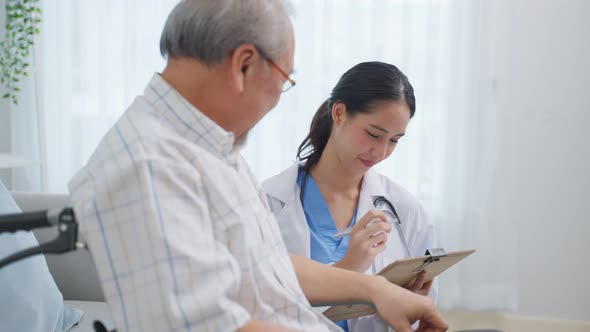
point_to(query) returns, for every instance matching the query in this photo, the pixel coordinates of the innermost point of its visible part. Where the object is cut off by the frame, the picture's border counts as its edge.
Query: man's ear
(338, 113)
(243, 59)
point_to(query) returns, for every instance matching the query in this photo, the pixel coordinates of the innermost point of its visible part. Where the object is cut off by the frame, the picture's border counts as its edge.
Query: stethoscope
(380, 203)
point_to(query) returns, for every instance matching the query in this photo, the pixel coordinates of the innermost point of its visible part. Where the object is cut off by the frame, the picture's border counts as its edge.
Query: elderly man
(179, 227)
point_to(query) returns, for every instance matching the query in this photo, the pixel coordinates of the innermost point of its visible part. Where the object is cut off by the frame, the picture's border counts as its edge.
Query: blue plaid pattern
(180, 229)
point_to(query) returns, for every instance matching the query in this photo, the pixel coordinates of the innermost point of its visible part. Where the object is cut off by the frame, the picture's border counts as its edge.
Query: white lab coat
(283, 197)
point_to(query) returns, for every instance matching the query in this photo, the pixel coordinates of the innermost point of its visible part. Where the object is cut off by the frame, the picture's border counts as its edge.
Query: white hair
(209, 30)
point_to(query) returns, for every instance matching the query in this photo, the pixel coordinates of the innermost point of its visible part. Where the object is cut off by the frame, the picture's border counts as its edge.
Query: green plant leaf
(22, 19)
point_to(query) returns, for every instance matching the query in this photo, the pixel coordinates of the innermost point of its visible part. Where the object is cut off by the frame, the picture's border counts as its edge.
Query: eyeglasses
(289, 82)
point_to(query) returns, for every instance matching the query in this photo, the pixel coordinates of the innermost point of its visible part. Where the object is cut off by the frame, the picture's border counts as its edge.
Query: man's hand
(400, 308)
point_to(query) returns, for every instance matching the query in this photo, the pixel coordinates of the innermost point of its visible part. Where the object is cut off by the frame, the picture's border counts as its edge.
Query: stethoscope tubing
(377, 200)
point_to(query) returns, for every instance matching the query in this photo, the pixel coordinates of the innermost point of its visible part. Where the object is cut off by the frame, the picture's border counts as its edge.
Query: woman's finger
(426, 288)
(379, 248)
(368, 217)
(377, 239)
(418, 283)
(377, 227)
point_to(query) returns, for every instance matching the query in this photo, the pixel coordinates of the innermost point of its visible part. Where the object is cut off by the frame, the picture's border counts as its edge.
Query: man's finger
(432, 321)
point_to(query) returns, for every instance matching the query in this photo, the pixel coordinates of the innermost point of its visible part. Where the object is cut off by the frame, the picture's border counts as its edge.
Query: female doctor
(334, 186)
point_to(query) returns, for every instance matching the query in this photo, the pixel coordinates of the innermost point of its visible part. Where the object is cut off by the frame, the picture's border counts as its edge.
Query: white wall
(542, 178)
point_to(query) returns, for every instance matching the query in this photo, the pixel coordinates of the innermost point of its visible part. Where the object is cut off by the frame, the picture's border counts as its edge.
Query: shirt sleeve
(162, 268)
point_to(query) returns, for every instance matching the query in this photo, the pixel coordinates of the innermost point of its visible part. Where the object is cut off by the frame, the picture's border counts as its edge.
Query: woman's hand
(419, 286)
(366, 242)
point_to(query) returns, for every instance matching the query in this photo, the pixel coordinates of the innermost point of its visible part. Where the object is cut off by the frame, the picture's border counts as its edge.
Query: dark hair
(362, 86)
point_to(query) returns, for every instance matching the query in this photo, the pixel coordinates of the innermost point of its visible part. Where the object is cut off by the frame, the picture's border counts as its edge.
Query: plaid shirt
(179, 228)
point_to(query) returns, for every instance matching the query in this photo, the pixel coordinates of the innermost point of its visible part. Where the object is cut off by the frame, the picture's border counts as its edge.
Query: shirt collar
(188, 121)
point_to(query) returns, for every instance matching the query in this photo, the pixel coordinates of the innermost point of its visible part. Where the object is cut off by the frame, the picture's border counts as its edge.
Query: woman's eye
(394, 141)
(372, 135)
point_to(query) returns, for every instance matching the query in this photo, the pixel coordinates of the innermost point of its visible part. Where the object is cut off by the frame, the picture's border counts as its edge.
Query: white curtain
(95, 56)
(447, 157)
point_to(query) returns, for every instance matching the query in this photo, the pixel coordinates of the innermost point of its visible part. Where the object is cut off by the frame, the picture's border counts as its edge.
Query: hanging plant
(22, 21)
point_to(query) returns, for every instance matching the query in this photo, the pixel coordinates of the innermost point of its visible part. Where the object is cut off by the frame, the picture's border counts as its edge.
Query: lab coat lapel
(373, 187)
(283, 185)
(291, 218)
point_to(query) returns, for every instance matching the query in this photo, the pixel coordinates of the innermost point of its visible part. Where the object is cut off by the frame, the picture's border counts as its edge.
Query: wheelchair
(66, 240)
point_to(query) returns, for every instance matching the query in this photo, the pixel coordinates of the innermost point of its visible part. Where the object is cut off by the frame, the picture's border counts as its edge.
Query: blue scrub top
(325, 248)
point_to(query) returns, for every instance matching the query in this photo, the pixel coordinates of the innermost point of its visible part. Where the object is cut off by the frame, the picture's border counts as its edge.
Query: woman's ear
(338, 113)
(242, 60)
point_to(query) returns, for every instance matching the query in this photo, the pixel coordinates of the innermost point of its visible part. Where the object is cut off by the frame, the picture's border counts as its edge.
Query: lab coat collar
(284, 185)
(372, 185)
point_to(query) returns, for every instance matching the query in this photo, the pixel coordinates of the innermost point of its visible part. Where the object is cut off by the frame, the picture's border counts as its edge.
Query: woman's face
(365, 139)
